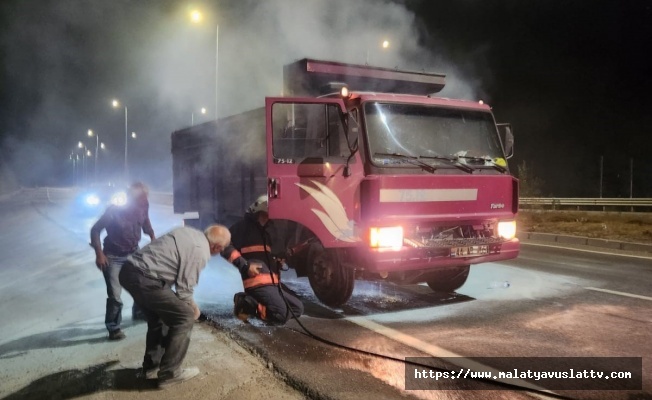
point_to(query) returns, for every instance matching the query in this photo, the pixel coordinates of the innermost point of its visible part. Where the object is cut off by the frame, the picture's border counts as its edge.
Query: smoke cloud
(65, 61)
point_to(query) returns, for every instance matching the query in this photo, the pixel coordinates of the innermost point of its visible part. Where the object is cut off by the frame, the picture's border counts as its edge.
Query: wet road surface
(556, 303)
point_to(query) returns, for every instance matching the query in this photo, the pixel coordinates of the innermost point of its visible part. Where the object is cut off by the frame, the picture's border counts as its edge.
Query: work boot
(184, 375)
(116, 335)
(244, 306)
(149, 374)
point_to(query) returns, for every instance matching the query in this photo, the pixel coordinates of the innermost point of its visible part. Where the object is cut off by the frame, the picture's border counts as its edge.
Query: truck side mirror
(507, 137)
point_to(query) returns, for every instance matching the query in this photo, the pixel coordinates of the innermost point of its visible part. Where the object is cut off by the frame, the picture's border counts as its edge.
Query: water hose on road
(307, 332)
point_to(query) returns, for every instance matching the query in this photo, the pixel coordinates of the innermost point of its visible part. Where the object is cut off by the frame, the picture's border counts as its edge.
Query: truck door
(313, 169)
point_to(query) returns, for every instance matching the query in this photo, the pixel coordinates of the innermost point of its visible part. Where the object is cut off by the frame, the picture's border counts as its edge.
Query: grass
(630, 227)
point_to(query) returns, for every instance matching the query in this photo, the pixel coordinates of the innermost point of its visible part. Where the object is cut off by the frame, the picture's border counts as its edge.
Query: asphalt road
(557, 303)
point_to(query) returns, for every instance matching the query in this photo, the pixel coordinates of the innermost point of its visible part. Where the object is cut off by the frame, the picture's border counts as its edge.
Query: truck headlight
(507, 229)
(390, 236)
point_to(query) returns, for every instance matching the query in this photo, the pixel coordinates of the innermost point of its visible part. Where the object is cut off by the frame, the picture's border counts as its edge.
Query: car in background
(94, 200)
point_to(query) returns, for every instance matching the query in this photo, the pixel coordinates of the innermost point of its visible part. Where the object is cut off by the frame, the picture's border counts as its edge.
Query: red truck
(368, 175)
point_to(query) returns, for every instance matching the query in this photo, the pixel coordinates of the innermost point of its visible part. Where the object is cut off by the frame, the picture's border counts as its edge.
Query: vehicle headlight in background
(92, 200)
(390, 236)
(119, 199)
(507, 229)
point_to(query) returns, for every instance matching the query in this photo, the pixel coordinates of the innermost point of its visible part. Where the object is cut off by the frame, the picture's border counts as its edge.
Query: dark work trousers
(274, 310)
(169, 321)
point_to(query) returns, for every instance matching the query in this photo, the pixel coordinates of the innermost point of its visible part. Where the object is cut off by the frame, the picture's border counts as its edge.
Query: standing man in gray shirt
(174, 259)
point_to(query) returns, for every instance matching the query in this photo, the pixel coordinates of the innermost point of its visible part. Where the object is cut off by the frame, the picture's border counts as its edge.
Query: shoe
(151, 373)
(184, 375)
(244, 306)
(117, 335)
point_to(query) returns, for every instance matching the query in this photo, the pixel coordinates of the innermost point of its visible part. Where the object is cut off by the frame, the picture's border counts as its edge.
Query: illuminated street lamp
(192, 115)
(74, 157)
(97, 150)
(384, 45)
(85, 154)
(116, 104)
(197, 17)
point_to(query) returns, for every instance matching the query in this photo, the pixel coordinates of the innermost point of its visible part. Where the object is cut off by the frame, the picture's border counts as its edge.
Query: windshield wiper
(410, 159)
(493, 163)
(451, 161)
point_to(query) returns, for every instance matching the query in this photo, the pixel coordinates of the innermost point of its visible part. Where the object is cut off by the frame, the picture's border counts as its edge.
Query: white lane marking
(588, 251)
(636, 296)
(438, 352)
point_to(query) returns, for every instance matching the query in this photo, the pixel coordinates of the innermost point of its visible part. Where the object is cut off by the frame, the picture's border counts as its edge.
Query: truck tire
(329, 279)
(448, 280)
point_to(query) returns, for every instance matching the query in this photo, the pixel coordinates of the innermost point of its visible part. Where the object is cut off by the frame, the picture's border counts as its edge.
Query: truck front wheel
(331, 282)
(448, 280)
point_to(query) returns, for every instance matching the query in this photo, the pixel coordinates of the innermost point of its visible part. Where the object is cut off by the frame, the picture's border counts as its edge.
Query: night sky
(573, 77)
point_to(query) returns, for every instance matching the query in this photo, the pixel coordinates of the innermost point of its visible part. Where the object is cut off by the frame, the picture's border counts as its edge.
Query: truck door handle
(273, 188)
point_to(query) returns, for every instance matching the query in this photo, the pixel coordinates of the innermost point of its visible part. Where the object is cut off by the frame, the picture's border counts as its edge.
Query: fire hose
(310, 334)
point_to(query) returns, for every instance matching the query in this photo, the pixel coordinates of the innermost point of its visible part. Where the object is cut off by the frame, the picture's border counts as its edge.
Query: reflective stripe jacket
(252, 242)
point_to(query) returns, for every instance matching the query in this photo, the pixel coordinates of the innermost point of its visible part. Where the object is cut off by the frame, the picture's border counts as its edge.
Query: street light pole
(601, 162)
(72, 158)
(85, 154)
(196, 17)
(217, 46)
(97, 151)
(116, 104)
(126, 171)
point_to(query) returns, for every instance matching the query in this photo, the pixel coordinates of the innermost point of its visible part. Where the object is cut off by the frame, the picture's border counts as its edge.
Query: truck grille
(448, 243)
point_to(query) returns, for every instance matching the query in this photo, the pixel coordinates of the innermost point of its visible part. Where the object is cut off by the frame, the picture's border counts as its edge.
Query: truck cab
(376, 178)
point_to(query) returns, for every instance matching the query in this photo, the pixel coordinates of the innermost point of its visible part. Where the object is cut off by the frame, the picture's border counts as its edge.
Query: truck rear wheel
(449, 279)
(331, 282)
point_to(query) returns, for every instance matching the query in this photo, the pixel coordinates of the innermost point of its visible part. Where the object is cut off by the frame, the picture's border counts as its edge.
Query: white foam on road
(485, 285)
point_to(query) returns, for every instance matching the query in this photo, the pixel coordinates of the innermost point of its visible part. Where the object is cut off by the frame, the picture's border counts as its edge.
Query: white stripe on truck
(427, 195)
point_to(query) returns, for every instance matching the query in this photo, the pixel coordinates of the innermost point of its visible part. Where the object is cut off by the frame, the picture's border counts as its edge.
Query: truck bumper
(410, 259)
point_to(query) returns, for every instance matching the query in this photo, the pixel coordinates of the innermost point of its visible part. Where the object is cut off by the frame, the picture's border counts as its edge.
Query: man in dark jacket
(123, 226)
(254, 245)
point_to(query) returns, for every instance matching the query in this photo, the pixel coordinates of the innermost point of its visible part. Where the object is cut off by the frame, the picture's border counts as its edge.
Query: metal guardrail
(558, 203)
(555, 203)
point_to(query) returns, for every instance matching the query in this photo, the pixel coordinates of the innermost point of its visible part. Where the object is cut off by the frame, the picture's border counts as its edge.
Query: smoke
(65, 60)
(257, 38)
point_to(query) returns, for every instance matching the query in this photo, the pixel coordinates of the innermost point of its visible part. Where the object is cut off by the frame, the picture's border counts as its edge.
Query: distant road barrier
(588, 204)
(39, 195)
(54, 195)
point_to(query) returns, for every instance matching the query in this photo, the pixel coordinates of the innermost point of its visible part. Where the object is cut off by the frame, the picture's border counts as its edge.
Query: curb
(585, 241)
(266, 360)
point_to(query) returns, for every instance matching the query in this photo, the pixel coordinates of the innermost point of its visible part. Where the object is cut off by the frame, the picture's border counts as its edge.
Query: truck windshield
(429, 131)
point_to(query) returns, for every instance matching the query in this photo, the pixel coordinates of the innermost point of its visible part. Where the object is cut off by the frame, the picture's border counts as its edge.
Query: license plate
(468, 251)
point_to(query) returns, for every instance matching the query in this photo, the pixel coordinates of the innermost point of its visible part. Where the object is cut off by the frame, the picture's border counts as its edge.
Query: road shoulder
(94, 368)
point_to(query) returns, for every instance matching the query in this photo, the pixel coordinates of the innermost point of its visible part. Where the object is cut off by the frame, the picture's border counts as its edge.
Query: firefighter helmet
(260, 205)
